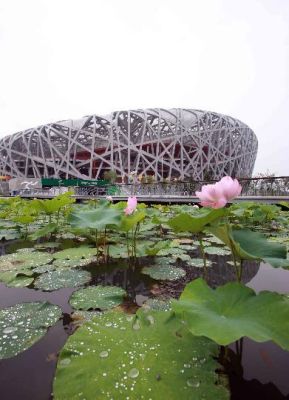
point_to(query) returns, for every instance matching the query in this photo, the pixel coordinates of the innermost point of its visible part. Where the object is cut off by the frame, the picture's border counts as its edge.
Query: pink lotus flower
(109, 198)
(218, 195)
(131, 205)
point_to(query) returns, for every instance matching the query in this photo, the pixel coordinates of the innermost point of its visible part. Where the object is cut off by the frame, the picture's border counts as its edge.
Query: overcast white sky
(63, 59)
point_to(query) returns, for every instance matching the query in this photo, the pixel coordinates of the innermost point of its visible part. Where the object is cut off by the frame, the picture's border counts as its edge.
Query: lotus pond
(173, 302)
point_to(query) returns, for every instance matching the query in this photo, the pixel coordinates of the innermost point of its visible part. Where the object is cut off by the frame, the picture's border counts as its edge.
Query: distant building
(165, 144)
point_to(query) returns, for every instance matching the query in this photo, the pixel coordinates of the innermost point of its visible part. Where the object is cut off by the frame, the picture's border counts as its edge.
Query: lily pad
(199, 263)
(233, 311)
(17, 278)
(155, 248)
(116, 356)
(63, 278)
(217, 250)
(118, 250)
(9, 234)
(102, 297)
(171, 251)
(23, 259)
(72, 263)
(44, 268)
(164, 272)
(157, 305)
(75, 253)
(24, 324)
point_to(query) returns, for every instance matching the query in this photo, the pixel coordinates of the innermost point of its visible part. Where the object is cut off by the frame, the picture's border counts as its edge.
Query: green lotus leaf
(187, 247)
(17, 278)
(171, 251)
(164, 260)
(128, 222)
(52, 206)
(195, 223)
(155, 248)
(198, 263)
(102, 297)
(63, 278)
(73, 263)
(23, 260)
(164, 272)
(97, 218)
(157, 304)
(20, 281)
(44, 268)
(233, 311)
(118, 250)
(24, 324)
(182, 257)
(120, 356)
(9, 234)
(75, 253)
(221, 251)
(249, 245)
(44, 231)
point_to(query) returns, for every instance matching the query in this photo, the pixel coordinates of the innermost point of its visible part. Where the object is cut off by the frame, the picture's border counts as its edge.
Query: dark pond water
(260, 372)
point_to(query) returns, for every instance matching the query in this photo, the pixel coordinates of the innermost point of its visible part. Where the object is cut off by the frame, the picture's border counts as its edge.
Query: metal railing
(277, 186)
(271, 186)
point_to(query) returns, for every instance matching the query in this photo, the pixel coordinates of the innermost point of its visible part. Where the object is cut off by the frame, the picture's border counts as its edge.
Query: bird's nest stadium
(166, 144)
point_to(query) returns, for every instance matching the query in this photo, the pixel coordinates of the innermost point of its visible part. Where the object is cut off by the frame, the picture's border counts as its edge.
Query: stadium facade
(167, 144)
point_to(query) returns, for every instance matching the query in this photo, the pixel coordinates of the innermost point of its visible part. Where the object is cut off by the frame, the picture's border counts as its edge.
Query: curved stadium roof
(171, 143)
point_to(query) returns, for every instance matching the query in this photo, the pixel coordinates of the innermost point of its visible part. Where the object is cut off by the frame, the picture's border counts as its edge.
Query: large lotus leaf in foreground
(233, 311)
(24, 324)
(117, 357)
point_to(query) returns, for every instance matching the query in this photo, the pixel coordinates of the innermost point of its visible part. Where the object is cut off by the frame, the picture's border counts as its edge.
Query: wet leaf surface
(120, 356)
(102, 297)
(60, 279)
(24, 324)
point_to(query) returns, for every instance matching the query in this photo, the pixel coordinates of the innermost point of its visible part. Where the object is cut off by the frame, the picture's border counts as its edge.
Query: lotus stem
(203, 255)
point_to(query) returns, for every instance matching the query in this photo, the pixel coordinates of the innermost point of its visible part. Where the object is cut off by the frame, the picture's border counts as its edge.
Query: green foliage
(157, 247)
(164, 272)
(24, 324)
(249, 245)
(18, 278)
(195, 223)
(102, 297)
(129, 222)
(24, 260)
(118, 356)
(75, 253)
(44, 231)
(233, 311)
(53, 206)
(54, 280)
(97, 219)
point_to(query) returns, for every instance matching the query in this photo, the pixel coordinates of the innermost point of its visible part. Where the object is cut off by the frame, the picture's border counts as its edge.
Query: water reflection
(256, 370)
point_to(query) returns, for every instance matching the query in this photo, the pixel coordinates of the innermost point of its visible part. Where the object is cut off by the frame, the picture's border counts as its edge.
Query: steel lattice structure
(175, 143)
